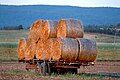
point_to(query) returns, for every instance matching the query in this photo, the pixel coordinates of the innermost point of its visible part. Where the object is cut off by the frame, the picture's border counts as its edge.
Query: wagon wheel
(49, 68)
(42, 68)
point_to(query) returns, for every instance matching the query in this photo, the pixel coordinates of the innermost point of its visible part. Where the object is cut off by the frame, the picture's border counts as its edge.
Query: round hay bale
(56, 49)
(70, 28)
(39, 49)
(30, 49)
(47, 52)
(65, 49)
(88, 50)
(48, 29)
(44, 49)
(35, 30)
(21, 49)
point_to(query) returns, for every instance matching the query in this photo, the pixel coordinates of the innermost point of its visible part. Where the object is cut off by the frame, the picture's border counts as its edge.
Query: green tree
(20, 27)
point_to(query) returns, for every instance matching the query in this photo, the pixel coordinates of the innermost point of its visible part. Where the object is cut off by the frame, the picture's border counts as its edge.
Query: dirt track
(111, 69)
(99, 67)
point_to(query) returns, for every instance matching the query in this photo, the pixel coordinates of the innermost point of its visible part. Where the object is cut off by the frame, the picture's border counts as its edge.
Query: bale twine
(88, 51)
(44, 49)
(35, 30)
(48, 29)
(21, 49)
(30, 49)
(65, 49)
(70, 28)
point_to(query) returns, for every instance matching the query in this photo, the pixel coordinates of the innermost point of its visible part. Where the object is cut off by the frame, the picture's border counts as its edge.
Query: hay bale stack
(88, 51)
(35, 30)
(48, 29)
(44, 49)
(57, 41)
(65, 49)
(70, 28)
(30, 50)
(21, 49)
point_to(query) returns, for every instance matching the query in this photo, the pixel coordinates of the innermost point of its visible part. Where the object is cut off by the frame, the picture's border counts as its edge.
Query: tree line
(104, 29)
(19, 27)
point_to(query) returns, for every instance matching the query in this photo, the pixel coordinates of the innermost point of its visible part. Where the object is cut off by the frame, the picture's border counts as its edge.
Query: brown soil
(99, 67)
(102, 67)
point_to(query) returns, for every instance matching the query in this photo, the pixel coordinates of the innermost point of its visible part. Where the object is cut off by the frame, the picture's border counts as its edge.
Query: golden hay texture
(21, 49)
(70, 28)
(57, 41)
(65, 49)
(48, 29)
(56, 55)
(61, 29)
(88, 51)
(30, 49)
(44, 49)
(39, 49)
(35, 30)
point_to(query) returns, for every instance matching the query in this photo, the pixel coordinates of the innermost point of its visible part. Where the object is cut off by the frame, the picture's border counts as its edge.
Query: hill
(26, 14)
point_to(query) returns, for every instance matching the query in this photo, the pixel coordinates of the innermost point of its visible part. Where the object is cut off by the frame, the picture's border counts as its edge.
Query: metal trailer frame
(49, 66)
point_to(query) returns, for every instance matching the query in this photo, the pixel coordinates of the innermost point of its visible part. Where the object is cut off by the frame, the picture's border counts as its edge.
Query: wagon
(49, 66)
(57, 47)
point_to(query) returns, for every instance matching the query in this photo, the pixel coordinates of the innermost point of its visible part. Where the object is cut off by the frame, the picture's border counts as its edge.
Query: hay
(30, 49)
(47, 52)
(35, 30)
(65, 49)
(52, 40)
(44, 49)
(48, 29)
(88, 51)
(39, 49)
(21, 49)
(70, 28)
(56, 50)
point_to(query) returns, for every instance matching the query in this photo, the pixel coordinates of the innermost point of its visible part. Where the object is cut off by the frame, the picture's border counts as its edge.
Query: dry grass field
(108, 50)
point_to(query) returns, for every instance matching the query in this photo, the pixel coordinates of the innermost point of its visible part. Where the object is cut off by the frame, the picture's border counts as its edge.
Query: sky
(80, 3)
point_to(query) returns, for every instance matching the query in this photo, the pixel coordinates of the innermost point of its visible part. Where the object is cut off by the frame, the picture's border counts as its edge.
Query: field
(106, 67)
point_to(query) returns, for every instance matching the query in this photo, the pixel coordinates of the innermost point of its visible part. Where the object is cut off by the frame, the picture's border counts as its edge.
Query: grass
(12, 35)
(8, 54)
(82, 76)
(66, 76)
(108, 39)
(8, 51)
(108, 46)
(8, 44)
(18, 72)
(108, 52)
(9, 41)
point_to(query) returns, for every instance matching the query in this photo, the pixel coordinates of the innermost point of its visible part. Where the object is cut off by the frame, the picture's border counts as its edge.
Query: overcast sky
(81, 3)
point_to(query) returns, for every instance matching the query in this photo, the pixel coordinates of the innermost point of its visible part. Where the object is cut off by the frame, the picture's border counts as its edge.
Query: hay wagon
(57, 47)
(69, 55)
(47, 67)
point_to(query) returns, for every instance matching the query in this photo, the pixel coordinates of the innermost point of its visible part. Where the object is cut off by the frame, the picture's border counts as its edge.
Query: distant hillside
(26, 15)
